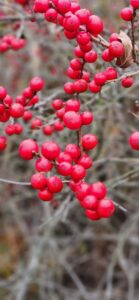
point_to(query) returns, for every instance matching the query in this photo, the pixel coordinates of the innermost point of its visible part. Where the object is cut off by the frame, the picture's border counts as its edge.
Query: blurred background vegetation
(52, 252)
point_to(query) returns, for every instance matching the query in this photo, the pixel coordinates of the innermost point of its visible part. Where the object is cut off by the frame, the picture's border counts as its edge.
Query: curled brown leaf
(126, 59)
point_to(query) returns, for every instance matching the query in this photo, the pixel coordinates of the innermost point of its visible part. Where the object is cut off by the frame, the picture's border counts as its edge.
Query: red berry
(86, 47)
(43, 165)
(72, 120)
(92, 215)
(10, 129)
(83, 37)
(22, 2)
(38, 181)
(82, 189)
(28, 148)
(107, 55)
(36, 123)
(69, 88)
(64, 157)
(27, 116)
(3, 92)
(89, 202)
(83, 15)
(41, 6)
(7, 101)
(18, 128)
(89, 141)
(93, 87)
(100, 78)
(51, 15)
(64, 6)
(73, 74)
(76, 64)
(72, 105)
(58, 125)
(2, 108)
(47, 129)
(45, 195)
(74, 7)
(3, 142)
(16, 110)
(78, 52)
(127, 82)
(116, 48)
(20, 99)
(105, 208)
(78, 173)
(4, 47)
(111, 73)
(87, 118)
(60, 19)
(95, 24)
(70, 34)
(28, 93)
(86, 76)
(54, 184)
(57, 104)
(99, 190)
(4, 117)
(135, 3)
(85, 161)
(127, 13)
(91, 56)
(65, 168)
(72, 150)
(36, 84)
(50, 150)
(134, 140)
(80, 86)
(114, 37)
(71, 23)
(33, 101)
(60, 113)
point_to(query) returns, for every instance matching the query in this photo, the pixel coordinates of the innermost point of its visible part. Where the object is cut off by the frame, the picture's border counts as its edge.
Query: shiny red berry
(38, 181)
(134, 140)
(50, 150)
(28, 148)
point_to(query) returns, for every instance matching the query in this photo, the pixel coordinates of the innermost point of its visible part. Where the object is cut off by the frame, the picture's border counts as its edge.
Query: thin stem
(100, 40)
(133, 36)
(120, 207)
(11, 19)
(15, 182)
(79, 137)
(79, 132)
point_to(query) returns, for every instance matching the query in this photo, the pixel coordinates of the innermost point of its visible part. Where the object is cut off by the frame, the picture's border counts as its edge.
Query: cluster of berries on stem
(54, 166)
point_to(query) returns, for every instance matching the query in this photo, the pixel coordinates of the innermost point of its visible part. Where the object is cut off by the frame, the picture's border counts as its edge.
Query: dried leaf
(127, 58)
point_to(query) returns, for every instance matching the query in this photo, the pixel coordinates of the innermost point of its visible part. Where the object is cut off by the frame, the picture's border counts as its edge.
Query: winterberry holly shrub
(56, 165)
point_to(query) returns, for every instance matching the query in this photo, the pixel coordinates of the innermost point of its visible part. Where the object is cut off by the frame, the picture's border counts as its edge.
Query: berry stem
(133, 36)
(14, 182)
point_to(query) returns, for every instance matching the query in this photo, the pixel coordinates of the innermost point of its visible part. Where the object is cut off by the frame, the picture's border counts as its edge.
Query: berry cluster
(55, 167)
(13, 110)
(85, 27)
(72, 165)
(10, 42)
